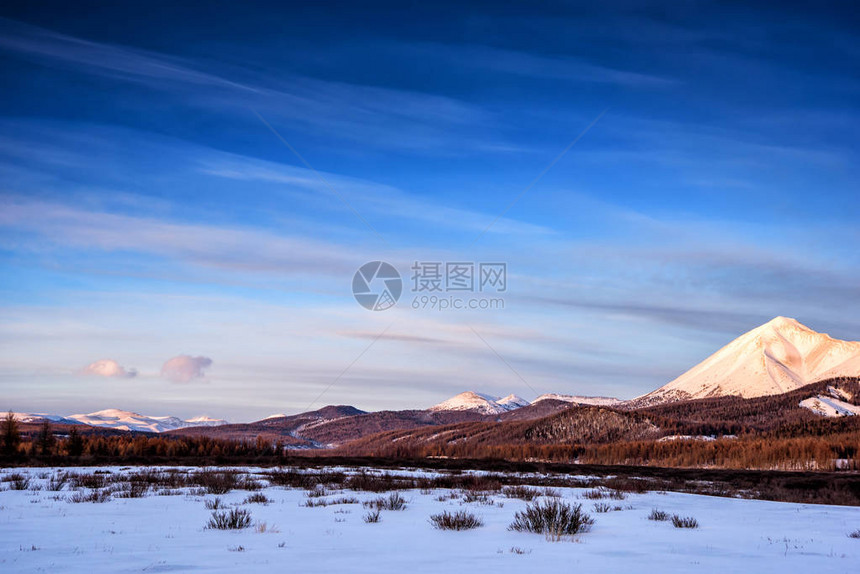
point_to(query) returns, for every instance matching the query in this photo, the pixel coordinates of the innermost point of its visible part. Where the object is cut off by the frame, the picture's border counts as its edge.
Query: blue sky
(148, 211)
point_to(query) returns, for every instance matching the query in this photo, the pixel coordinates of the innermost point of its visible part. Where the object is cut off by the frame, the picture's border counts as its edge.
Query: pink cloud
(108, 368)
(185, 368)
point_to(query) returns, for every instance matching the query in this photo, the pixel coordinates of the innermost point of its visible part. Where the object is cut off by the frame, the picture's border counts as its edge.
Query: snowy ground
(41, 530)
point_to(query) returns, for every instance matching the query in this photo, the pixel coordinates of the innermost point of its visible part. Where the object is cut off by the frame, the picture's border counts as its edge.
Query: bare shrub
(257, 498)
(94, 496)
(86, 480)
(393, 501)
(248, 483)
(263, 528)
(377, 482)
(214, 504)
(317, 492)
(855, 534)
(132, 490)
(602, 507)
(633, 485)
(553, 518)
(235, 519)
(215, 481)
(476, 496)
(292, 478)
(460, 520)
(658, 515)
(308, 480)
(684, 522)
(19, 481)
(373, 516)
(595, 494)
(522, 492)
(57, 481)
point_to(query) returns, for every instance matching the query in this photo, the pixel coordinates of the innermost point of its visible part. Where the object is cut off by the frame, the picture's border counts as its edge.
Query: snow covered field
(42, 530)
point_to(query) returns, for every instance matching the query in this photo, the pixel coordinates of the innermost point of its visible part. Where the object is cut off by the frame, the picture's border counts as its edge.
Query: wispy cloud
(373, 115)
(532, 65)
(117, 61)
(388, 203)
(224, 247)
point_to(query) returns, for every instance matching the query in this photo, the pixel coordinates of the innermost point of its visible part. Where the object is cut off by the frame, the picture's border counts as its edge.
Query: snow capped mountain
(513, 402)
(39, 417)
(775, 358)
(126, 420)
(479, 402)
(597, 401)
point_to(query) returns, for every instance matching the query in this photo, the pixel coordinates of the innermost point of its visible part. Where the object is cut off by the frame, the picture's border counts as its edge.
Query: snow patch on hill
(830, 407)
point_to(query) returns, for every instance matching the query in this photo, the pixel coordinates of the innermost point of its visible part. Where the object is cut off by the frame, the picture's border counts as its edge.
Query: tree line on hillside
(833, 452)
(827, 444)
(47, 447)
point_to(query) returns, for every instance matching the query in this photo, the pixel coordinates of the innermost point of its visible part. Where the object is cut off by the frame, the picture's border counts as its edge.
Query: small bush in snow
(264, 528)
(393, 501)
(684, 522)
(57, 481)
(94, 496)
(553, 518)
(313, 503)
(602, 507)
(215, 481)
(373, 516)
(214, 504)
(257, 498)
(518, 550)
(376, 482)
(235, 519)
(19, 482)
(86, 480)
(522, 492)
(594, 494)
(132, 489)
(317, 492)
(658, 515)
(476, 496)
(460, 520)
(855, 534)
